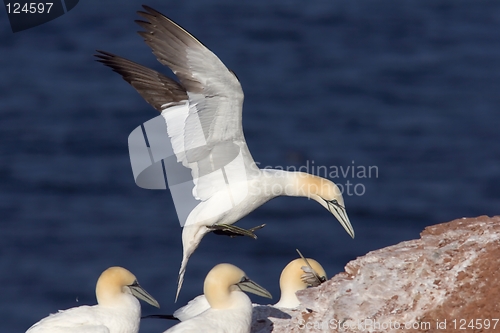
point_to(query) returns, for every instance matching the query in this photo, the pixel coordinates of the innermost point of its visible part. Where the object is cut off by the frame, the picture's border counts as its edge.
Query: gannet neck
(314, 187)
(293, 183)
(291, 281)
(111, 283)
(299, 184)
(218, 287)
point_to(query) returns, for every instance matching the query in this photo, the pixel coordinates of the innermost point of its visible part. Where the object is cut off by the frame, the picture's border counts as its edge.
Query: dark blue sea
(409, 88)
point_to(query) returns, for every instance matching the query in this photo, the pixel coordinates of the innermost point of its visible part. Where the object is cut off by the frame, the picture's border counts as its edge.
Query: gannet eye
(244, 279)
(336, 203)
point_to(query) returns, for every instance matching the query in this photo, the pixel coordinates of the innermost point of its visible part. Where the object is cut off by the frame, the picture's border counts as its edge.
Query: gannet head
(328, 194)
(337, 208)
(225, 279)
(116, 281)
(297, 275)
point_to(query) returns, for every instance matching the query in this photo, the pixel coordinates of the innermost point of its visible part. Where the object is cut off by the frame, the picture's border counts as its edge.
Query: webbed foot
(234, 231)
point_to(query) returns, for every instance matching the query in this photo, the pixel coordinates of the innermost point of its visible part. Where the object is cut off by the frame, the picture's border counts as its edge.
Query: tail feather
(180, 280)
(191, 238)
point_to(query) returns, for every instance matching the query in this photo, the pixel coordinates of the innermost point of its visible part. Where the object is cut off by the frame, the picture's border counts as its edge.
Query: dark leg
(234, 231)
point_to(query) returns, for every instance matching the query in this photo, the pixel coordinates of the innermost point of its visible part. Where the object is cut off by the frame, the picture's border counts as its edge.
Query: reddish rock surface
(446, 281)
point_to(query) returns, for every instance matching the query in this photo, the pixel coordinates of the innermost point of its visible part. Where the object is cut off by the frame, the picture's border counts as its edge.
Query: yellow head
(328, 194)
(116, 281)
(224, 279)
(297, 276)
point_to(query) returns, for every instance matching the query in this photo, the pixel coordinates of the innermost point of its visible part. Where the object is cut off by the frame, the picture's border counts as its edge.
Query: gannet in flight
(117, 309)
(203, 115)
(229, 308)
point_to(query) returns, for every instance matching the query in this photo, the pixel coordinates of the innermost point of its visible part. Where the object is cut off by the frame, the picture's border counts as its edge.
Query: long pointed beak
(251, 287)
(142, 294)
(339, 212)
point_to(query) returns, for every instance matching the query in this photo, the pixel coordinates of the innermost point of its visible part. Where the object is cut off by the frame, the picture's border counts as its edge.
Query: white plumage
(224, 307)
(299, 274)
(203, 114)
(117, 311)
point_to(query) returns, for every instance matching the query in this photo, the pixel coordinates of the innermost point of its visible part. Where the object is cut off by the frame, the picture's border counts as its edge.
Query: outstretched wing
(211, 142)
(157, 89)
(203, 112)
(215, 94)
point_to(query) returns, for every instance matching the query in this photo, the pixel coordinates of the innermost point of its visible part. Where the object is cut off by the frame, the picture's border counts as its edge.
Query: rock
(446, 281)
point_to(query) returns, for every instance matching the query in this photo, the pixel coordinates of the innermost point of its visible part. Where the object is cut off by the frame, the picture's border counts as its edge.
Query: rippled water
(408, 87)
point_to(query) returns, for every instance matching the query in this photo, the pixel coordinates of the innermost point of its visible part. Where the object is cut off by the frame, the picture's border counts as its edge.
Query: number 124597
(29, 8)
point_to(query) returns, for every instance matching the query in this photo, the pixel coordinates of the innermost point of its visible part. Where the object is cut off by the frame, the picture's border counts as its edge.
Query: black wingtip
(109, 59)
(102, 55)
(151, 10)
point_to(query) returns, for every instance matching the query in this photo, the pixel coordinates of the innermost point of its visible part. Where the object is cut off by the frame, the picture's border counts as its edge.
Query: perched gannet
(298, 275)
(117, 311)
(203, 116)
(229, 310)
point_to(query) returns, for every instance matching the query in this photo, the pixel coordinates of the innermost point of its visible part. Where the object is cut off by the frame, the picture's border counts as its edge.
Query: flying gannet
(203, 116)
(229, 308)
(117, 309)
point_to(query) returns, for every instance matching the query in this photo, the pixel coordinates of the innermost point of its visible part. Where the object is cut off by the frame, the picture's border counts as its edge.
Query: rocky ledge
(446, 281)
